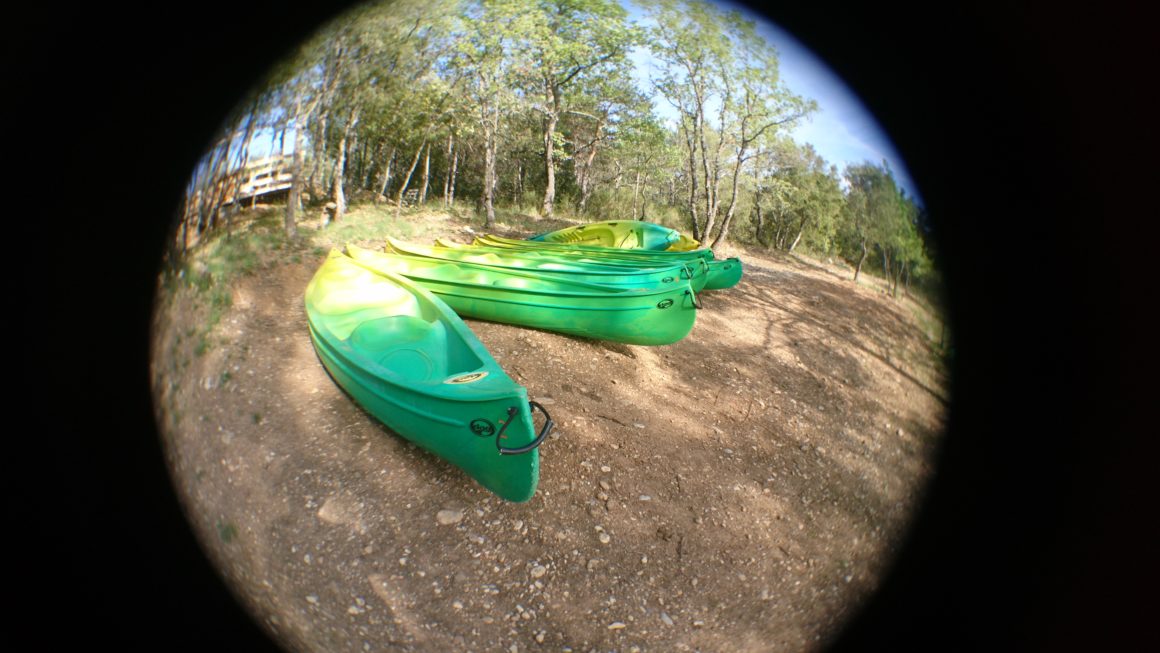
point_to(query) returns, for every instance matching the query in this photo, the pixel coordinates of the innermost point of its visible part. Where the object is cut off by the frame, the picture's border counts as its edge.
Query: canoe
(638, 316)
(628, 234)
(723, 273)
(685, 244)
(610, 253)
(411, 362)
(568, 269)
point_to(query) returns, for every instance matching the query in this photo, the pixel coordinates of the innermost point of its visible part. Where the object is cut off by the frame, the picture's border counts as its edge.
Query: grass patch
(364, 224)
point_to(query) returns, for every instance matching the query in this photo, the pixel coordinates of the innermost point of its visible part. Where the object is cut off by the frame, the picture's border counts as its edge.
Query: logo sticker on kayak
(482, 428)
(665, 303)
(467, 378)
(667, 280)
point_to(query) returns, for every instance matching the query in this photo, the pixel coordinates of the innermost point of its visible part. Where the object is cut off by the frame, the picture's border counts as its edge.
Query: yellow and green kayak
(411, 362)
(565, 268)
(611, 254)
(638, 316)
(628, 234)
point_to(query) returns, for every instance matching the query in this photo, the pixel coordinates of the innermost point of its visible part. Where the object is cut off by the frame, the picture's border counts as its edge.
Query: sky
(842, 131)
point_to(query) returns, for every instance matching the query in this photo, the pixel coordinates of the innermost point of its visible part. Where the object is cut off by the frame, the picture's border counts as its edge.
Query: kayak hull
(626, 234)
(410, 362)
(639, 316)
(584, 269)
(723, 273)
(610, 253)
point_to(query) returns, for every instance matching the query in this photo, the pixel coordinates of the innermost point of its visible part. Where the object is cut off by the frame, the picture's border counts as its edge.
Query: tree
(716, 63)
(561, 43)
(872, 213)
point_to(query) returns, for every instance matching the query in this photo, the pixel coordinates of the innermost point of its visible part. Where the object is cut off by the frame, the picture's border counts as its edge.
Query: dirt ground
(743, 489)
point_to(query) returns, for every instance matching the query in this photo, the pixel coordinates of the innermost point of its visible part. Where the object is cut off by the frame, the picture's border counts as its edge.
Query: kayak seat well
(407, 345)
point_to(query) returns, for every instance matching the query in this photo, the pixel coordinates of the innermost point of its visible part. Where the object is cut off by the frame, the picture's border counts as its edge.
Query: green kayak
(628, 234)
(610, 253)
(638, 316)
(409, 361)
(568, 269)
(724, 273)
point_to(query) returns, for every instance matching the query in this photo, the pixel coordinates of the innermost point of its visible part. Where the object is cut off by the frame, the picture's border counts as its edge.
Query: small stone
(899, 432)
(666, 618)
(616, 625)
(698, 623)
(605, 468)
(605, 486)
(312, 599)
(538, 571)
(547, 401)
(645, 497)
(518, 525)
(638, 425)
(718, 431)
(592, 563)
(458, 605)
(540, 637)
(604, 538)
(448, 517)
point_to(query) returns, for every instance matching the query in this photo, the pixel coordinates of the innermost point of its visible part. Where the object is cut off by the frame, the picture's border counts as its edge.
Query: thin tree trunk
(858, 269)
(797, 239)
(549, 147)
(454, 172)
(407, 179)
(339, 198)
(635, 194)
(387, 173)
(313, 183)
(489, 167)
(447, 177)
(426, 175)
(294, 201)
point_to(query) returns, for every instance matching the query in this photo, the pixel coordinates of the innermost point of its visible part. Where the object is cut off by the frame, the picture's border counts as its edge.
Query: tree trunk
(387, 173)
(339, 198)
(797, 239)
(426, 175)
(489, 182)
(407, 179)
(553, 117)
(858, 268)
(454, 172)
(313, 183)
(635, 194)
(294, 201)
(691, 146)
(369, 178)
(447, 177)
(760, 227)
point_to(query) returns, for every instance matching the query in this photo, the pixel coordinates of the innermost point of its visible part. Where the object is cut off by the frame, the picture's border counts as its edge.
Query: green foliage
(486, 85)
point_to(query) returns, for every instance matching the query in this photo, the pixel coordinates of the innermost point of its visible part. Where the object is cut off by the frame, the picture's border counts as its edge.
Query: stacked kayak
(411, 362)
(387, 327)
(631, 234)
(721, 273)
(573, 268)
(651, 315)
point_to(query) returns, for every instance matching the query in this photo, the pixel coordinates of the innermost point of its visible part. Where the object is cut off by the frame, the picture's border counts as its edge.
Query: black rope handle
(696, 301)
(534, 443)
